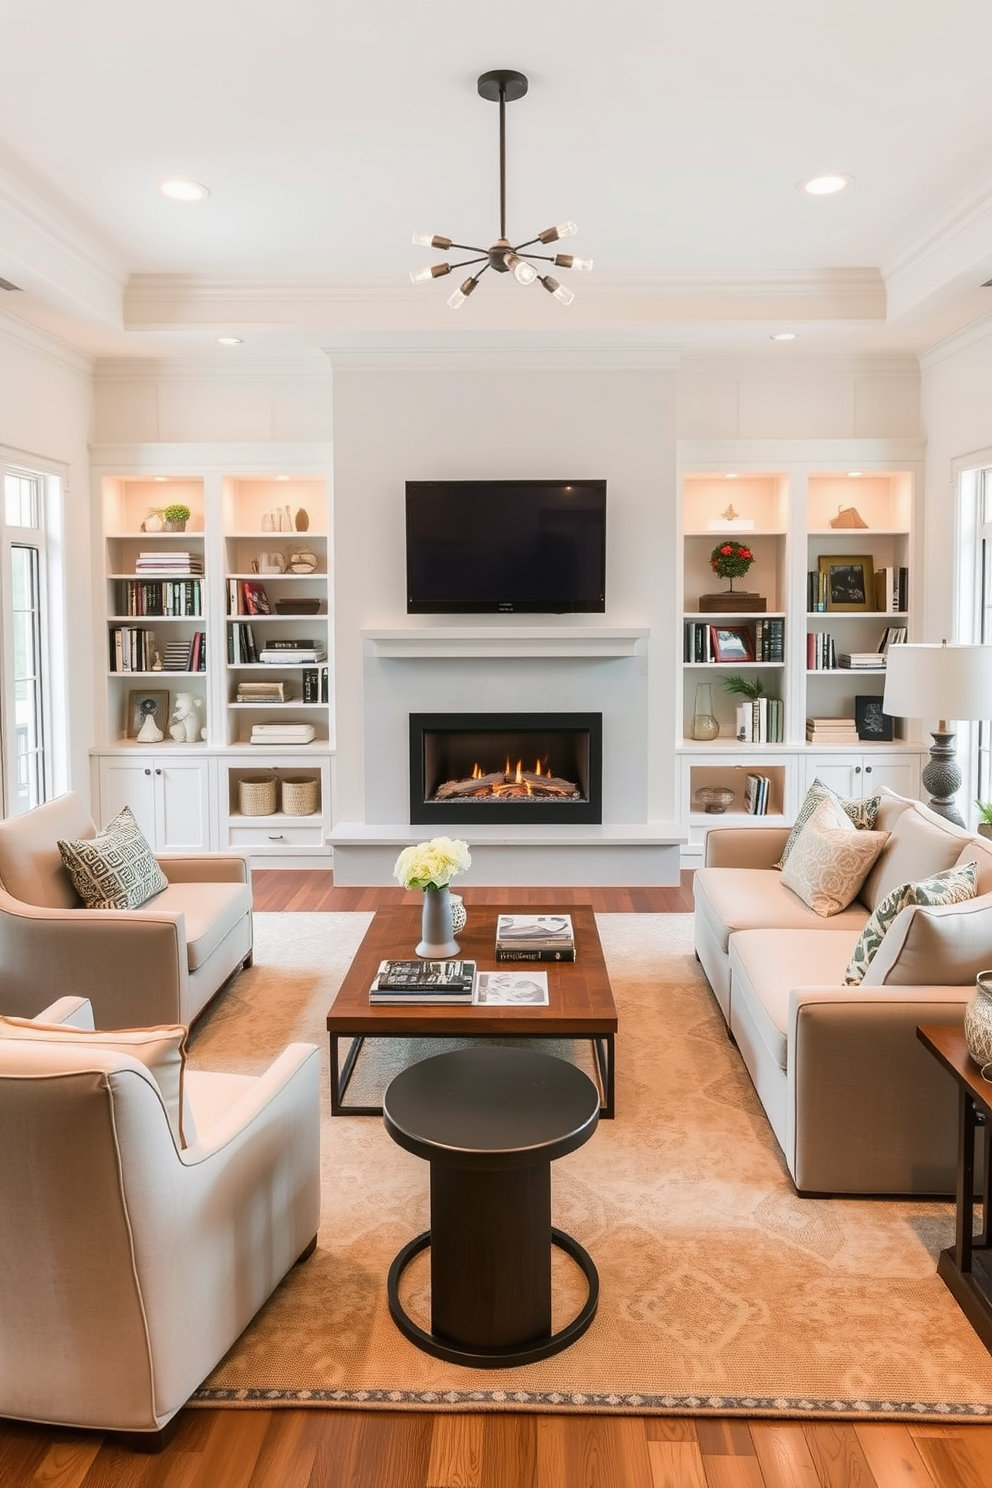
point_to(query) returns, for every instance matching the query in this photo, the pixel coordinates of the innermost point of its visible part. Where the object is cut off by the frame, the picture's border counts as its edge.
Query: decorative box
(732, 602)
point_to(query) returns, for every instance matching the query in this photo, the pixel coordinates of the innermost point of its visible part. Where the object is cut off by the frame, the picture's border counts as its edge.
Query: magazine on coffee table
(511, 988)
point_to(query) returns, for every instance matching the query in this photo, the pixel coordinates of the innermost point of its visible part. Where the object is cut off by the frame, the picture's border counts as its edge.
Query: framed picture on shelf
(849, 582)
(874, 726)
(731, 643)
(144, 701)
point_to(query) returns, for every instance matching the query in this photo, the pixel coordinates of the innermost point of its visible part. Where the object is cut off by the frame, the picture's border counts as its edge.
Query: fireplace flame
(513, 781)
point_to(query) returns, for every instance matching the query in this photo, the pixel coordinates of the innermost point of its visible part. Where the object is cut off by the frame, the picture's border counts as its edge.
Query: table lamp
(944, 682)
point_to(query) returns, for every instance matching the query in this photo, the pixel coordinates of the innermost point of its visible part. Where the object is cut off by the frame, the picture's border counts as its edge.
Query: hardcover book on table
(545, 930)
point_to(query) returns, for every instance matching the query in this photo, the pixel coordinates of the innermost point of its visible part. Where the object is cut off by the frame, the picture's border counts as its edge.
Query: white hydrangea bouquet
(433, 864)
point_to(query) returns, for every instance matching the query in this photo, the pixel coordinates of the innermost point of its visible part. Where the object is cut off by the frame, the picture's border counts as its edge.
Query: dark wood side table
(490, 1121)
(966, 1267)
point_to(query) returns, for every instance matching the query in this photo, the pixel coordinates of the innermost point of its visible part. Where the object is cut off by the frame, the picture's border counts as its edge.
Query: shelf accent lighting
(502, 87)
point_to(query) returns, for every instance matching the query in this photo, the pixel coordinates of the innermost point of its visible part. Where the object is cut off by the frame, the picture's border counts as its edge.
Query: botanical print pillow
(116, 869)
(862, 813)
(831, 858)
(950, 887)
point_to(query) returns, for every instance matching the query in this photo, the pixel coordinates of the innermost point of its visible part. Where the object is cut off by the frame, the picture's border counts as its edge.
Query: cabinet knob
(867, 769)
(158, 772)
(148, 772)
(857, 769)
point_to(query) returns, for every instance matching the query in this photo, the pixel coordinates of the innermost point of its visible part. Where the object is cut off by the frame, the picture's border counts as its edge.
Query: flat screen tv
(481, 547)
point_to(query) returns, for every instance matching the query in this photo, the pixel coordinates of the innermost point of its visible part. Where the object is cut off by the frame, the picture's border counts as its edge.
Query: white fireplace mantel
(413, 643)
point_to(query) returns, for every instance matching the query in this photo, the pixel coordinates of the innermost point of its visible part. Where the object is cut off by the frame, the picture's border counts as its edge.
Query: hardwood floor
(353, 1449)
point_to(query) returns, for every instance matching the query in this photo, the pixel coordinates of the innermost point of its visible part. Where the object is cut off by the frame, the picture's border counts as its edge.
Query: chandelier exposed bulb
(502, 87)
(561, 294)
(461, 294)
(424, 276)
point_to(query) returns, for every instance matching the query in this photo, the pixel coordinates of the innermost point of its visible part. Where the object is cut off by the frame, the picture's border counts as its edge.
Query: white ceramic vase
(437, 937)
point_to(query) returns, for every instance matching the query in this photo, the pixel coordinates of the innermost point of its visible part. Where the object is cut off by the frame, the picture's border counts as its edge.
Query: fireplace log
(501, 785)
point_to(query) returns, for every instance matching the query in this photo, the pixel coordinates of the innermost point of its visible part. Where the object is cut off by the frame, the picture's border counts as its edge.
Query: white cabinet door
(854, 775)
(168, 795)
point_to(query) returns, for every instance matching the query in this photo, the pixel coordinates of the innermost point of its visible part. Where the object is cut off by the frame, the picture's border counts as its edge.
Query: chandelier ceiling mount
(503, 86)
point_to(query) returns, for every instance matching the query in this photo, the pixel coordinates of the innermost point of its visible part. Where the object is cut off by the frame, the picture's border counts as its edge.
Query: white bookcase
(790, 492)
(186, 794)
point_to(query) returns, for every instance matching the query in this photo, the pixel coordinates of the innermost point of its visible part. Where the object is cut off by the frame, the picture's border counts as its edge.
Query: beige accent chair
(131, 1267)
(161, 963)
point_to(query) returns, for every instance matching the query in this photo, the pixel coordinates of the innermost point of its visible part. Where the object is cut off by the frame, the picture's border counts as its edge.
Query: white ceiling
(674, 134)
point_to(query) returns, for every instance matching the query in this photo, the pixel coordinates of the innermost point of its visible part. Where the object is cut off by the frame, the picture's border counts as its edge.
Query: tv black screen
(512, 546)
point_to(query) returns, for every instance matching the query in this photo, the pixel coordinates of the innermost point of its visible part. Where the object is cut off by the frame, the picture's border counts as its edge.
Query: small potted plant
(175, 517)
(731, 560)
(985, 818)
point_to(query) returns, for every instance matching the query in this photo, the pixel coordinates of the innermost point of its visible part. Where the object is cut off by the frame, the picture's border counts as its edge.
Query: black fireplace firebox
(506, 767)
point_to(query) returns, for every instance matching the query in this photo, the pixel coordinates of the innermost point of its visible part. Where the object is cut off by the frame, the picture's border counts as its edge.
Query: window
(974, 619)
(25, 756)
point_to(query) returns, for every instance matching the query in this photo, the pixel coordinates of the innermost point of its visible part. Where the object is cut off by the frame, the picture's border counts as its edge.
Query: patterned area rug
(721, 1291)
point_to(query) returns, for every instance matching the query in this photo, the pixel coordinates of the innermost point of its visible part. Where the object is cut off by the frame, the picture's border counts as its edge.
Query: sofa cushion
(862, 813)
(731, 899)
(921, 844)
(161, 1050)
(978, 850)
(939, 946)
(211, 911)
(767, 965)
(952, 886)
(830, 858)
(116, 869)
(31, 867)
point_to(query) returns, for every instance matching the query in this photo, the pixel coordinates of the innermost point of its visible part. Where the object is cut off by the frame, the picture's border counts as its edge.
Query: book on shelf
(892, 635)
(159, 597)
(263, 692)
(168, 562)
(759, 720)
(821, 651)
(831, 731)
(282, 733)
(282, 656)
(892, 589)
(861, 660)
(756, 789)
(248, 597)
(534, 932)
(511, 988)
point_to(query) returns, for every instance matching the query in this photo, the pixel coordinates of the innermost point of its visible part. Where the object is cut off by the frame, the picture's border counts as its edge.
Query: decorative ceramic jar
(458, 913)
(302, 560)
(978, 1020)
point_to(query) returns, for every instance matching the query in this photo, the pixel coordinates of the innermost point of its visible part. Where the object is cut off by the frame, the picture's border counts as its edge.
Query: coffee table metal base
(494, 1358)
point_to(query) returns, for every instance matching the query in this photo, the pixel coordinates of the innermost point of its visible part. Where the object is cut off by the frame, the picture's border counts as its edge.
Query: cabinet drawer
(276, 837)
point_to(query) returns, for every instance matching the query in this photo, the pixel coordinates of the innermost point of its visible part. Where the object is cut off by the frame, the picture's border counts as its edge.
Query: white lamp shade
(943, 682)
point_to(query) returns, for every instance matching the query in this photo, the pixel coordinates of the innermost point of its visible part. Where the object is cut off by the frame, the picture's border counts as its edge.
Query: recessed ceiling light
(229, 341)
(827, 185)
(731, 475)
(853, 474)
(282, 477)
(784, 336)
(161, 477)
(177, 189)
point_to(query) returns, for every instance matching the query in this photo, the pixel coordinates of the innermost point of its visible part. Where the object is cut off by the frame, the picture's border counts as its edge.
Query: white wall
(410, 422)
(45, 415)
(956, 409)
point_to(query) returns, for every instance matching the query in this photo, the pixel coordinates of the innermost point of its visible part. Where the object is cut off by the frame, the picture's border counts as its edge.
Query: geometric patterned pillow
(862, 812)
(116, 869)
(950, 887)
(831, 859)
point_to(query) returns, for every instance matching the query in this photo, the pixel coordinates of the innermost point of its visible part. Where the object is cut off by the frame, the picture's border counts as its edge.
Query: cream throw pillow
(951, 887)
(862, 813)
(116, 869)
(830, 859)
(161, 1050)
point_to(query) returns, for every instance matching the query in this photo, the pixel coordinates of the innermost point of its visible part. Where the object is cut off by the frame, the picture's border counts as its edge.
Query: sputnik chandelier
(502, 87)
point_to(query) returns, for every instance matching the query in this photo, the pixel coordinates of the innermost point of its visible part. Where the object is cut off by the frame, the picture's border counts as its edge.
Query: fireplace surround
(494, 768)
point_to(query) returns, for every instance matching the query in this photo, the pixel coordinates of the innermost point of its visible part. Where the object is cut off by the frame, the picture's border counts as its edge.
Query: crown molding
(22, 333)
(952, 248)
(482, 357)
(297, 457)
(961, 341)
(777, 454)
(785, 361)
(310, 366)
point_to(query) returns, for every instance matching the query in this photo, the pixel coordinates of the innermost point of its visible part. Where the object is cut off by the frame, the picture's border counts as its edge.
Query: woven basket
(257, 795)
(300, 795)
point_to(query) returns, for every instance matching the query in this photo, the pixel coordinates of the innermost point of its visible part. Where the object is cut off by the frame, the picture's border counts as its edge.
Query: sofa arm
(229, 867)
(870, 1110)
(745, 847)
(72, 1012)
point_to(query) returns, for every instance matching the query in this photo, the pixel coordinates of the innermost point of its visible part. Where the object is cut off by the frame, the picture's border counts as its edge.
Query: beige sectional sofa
(856, 1103)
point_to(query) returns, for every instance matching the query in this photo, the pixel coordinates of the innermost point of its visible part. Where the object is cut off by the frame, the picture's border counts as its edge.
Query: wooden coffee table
(580, 997)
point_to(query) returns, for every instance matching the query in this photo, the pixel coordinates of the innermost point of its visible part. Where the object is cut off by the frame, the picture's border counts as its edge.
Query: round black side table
(490, 1121)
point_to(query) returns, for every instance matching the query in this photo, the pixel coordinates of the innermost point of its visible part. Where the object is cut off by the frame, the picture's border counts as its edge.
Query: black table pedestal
(491, 1231)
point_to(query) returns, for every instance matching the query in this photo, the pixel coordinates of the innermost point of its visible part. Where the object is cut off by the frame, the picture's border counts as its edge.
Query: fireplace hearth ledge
(625, 854)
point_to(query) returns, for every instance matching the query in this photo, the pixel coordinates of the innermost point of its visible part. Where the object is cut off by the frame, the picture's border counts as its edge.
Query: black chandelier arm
(464, 262)
(468, 248)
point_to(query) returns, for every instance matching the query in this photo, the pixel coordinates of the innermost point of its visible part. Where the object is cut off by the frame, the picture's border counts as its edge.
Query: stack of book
(756, 794)
(892, 590)
(247, 597)
(831, 731)
(271, 734)
(760, 720)
(292, 653)
(892, 635)
(263, 692)
(164, 561)
(423, 981)
(821, 651)
(534, 938)
(861, 661)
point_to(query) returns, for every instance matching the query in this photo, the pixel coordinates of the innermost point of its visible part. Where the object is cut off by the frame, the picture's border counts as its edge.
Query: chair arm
(230, 867)
(745, 847)
(298, 1064)
(72, 1012)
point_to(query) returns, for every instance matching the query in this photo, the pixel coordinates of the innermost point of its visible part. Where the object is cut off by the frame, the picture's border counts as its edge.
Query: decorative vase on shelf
(173, 526)
(978, 1020)
(704, 724)
(437, 936)
(302, 520)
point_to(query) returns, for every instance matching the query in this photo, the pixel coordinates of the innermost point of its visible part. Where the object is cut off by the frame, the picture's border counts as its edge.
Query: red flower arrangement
(731, 560)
